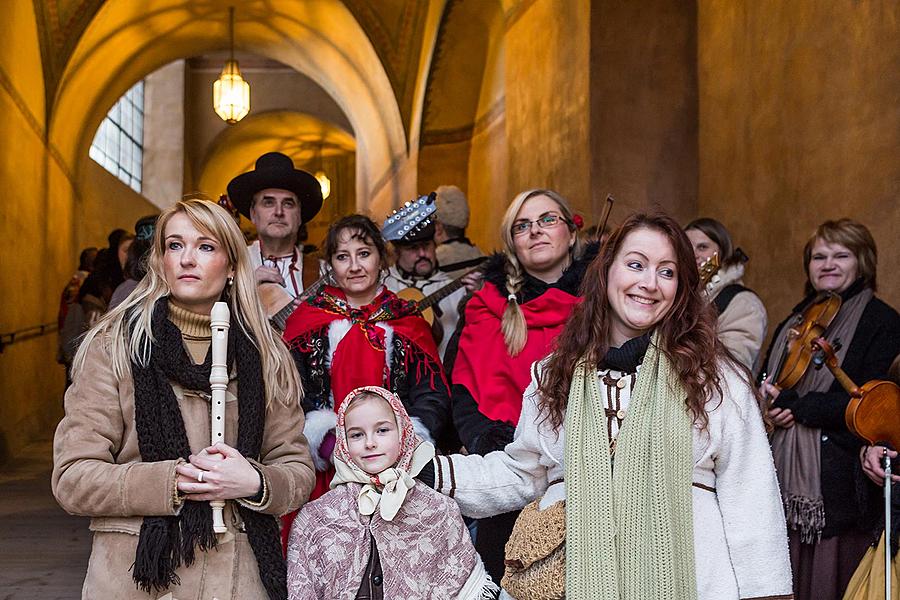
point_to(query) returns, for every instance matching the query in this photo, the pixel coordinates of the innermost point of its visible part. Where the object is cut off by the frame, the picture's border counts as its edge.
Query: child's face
(373, 438)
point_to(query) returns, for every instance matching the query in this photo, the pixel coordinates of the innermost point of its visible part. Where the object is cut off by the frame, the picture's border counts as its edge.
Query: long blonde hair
(513, 325)
(127, 328)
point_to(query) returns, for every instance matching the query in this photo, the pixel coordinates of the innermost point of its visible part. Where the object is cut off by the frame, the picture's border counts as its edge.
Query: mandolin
(874, 410)
(426, 302)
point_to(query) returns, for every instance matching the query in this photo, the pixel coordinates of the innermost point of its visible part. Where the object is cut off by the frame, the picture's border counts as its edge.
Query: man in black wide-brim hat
(278, 199)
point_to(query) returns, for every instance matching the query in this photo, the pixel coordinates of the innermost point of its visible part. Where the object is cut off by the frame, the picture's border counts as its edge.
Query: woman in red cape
(530, 290)
(356, 333)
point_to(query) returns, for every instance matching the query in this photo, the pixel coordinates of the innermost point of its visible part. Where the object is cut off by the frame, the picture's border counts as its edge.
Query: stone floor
(43, 550)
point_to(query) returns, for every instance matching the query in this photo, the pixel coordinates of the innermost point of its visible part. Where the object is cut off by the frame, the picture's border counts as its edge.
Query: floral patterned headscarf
(385, 490)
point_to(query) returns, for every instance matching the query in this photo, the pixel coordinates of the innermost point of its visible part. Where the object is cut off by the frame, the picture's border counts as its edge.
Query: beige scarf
(387, 490)
(629, 532)
(797, 450)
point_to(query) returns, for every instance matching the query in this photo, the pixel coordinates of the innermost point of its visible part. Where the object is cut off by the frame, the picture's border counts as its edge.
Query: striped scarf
(630, 530)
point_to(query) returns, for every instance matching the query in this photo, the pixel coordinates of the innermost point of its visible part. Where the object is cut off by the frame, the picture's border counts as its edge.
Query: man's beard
(415, 273)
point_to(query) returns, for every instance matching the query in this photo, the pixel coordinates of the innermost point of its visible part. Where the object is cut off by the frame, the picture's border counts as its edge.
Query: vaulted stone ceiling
(395, 28)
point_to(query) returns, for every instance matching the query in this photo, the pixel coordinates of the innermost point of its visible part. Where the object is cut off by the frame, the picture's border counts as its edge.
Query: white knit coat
(740, 539)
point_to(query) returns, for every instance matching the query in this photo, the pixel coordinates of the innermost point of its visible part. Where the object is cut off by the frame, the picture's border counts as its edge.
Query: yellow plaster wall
(35, 225)
(488, 190)
(799, 123)
(644, 106)
(547, 97)
(106, 204)
(44, 224)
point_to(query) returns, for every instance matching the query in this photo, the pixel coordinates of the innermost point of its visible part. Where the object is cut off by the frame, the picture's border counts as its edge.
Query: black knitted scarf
(167, 543)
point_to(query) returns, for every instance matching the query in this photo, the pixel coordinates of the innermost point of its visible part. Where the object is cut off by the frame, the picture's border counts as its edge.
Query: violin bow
(606, 210)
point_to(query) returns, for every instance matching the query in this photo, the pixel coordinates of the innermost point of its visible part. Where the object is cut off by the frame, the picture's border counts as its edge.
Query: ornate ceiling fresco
(60, 25)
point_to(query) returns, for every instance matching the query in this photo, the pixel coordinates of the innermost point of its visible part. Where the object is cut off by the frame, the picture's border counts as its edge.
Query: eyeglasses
(547, 221)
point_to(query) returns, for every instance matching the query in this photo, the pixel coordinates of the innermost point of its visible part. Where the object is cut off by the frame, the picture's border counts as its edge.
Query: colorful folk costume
(657, 506)
(384, 536)
(832, 508)
(338, 348)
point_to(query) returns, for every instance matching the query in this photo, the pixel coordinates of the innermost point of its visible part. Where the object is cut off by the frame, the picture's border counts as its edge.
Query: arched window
(118, 143)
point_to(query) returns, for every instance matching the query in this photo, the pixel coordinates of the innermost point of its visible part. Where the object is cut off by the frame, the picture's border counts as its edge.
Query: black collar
(628, 356)
(495, 273)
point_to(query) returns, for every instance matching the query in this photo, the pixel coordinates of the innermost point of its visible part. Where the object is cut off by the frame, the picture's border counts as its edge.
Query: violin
(874, 410)
(798, 352)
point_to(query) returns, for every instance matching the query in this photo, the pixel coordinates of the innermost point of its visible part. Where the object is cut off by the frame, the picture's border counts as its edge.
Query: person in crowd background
(416, 266)
(742, 319)
(530, 290)
(455, 252)
(68, 299)
(136, 261)
(278, 199)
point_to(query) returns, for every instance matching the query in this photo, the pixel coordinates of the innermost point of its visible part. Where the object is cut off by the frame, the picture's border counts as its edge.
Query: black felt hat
(276, 170)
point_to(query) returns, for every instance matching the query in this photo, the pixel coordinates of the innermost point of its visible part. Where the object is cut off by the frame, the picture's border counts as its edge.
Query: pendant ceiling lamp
(231, 94)
(322, 178)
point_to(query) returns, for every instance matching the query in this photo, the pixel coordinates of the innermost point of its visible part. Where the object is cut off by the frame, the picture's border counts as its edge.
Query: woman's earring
(229, 282)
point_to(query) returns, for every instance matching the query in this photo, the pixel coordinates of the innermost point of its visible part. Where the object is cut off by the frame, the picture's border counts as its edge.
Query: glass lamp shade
(231, 94)
(324, 183)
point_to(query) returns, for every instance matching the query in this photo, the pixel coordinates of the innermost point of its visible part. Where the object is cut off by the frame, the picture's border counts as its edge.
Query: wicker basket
(536, 554)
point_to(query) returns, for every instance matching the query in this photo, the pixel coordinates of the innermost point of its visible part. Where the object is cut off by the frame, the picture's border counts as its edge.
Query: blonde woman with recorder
(133, 451)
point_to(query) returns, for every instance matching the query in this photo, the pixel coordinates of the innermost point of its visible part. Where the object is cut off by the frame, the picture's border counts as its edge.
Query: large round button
(620, 415)
(621, 383)
(376, 580)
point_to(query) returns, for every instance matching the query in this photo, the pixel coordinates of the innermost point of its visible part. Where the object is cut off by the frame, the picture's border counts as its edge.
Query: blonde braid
(513, 325)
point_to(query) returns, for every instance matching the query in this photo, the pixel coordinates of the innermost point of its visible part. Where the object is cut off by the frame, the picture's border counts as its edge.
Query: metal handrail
(7, 339)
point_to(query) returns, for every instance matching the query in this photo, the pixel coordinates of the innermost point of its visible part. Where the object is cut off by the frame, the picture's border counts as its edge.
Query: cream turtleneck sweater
(195, 331)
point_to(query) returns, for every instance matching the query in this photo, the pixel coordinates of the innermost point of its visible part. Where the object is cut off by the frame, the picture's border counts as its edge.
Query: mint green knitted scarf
(629, 530)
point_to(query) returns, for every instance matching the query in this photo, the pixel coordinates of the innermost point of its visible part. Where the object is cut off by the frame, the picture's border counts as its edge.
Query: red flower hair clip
(578, 221)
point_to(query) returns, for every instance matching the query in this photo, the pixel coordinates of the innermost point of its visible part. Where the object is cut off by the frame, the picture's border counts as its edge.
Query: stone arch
(319, 38)
(463, 137)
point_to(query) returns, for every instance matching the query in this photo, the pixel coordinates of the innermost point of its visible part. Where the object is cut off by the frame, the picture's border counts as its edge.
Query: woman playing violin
(816, 455)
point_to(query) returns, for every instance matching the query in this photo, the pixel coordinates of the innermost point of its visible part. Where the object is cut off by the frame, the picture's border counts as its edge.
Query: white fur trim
(421, 430)
(318, 424)
(388, 343)
(336, 332)
(479, 585)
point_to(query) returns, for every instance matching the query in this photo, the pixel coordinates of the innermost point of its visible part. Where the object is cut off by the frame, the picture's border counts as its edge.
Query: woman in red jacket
(530, 289)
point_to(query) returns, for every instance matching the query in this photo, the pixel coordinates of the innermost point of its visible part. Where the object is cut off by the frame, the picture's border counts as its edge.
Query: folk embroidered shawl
(359, 358)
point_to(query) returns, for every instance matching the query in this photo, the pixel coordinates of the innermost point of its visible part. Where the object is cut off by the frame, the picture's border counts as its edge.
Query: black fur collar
(495, 274)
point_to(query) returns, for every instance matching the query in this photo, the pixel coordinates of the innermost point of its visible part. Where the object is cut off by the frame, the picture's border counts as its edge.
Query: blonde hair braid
(513, 325)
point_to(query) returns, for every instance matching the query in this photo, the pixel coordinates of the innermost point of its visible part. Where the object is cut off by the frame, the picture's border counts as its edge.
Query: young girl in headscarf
(377, 534)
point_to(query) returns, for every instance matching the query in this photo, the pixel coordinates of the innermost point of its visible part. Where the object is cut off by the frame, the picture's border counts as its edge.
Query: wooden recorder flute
(220, 321)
